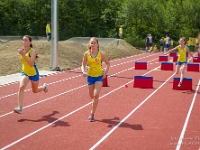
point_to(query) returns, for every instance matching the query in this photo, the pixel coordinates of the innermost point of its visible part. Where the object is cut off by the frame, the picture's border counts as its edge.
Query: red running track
(127, 118)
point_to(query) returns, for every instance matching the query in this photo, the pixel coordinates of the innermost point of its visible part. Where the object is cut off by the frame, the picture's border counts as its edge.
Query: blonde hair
(93, 38)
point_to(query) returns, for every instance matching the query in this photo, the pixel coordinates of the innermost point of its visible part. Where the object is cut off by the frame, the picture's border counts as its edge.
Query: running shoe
(91, 118)
(180, 84)
(45, 87)
(18, 110)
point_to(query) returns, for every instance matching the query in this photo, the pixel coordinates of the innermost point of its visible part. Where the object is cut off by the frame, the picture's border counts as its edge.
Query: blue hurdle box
(186, 84)
(172, 54)
(140, 65)
(175, 58)
(193, 67)
(196, 59)
(143, 82)
(167, 66)
(163, 58)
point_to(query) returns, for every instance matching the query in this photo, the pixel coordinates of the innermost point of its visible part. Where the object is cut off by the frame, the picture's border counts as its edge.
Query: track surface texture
(127, 118)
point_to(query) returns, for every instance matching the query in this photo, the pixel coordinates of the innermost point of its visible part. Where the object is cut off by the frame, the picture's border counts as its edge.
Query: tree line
(102, 18)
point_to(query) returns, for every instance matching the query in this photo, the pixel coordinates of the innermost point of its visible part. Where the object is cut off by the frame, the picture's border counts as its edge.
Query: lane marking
(44, 127)
(69, 78)
(124, 119)
(71, 90)
(187, 118)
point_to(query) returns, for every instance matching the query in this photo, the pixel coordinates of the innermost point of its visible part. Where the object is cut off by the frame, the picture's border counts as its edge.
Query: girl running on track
(29, 71)
(95, 73)
(182, 57)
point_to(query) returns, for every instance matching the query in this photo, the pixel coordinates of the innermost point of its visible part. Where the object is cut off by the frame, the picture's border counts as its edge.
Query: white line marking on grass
(111, 131)
(44, 127)
(187, 119)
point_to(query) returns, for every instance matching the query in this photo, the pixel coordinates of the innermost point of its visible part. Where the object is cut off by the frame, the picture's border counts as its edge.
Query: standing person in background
(154, 48)
(30, 72)
(167, 43)
(95, 74)
(148, 42)
(171, 43)
(48, 31)
(121, 32)
(161, 44)
(182, 58)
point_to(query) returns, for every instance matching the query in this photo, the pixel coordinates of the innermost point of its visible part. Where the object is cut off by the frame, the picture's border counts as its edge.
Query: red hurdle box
(105, 81)
(167, 66)
(196, 59)
(143, 82)
(193, 67)
(186, 84)
(140, 65)
(172, 54)
(163, 58)
(175, 58)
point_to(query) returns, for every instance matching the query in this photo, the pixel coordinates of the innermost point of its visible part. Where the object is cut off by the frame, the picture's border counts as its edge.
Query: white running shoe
(45, 87)
(18, 110)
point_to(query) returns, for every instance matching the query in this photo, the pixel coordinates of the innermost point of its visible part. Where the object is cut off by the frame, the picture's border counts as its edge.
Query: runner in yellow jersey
(95, 73)
(29, 71)
(182, 58)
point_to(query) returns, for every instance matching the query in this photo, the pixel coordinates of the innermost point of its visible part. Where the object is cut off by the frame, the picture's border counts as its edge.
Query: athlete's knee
(22, 87)
(96, 95)
(91, 96)
(35, 90)
(182, 69)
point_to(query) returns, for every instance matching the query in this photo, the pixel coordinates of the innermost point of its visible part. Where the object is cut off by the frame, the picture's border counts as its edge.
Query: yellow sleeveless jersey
(26, 68)
(48, 29)
(182, 56)
(120, 30)
(94, 65)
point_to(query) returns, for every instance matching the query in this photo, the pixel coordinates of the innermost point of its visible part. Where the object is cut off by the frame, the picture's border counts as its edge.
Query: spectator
(48, 31)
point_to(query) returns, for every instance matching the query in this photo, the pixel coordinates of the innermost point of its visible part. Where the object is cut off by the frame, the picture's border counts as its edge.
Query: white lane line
(46, 99)
(69, 78)
(111, 131)
(187, 119)
(62, 80)
(71, 90)
(44, 127)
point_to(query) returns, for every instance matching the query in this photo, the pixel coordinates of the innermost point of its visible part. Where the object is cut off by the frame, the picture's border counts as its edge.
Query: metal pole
(54, 35)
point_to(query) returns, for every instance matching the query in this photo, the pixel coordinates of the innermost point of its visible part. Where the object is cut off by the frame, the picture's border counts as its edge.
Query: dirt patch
(69, 54)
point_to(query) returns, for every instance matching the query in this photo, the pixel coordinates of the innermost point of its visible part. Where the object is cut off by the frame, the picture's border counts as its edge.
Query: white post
(54, 35)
